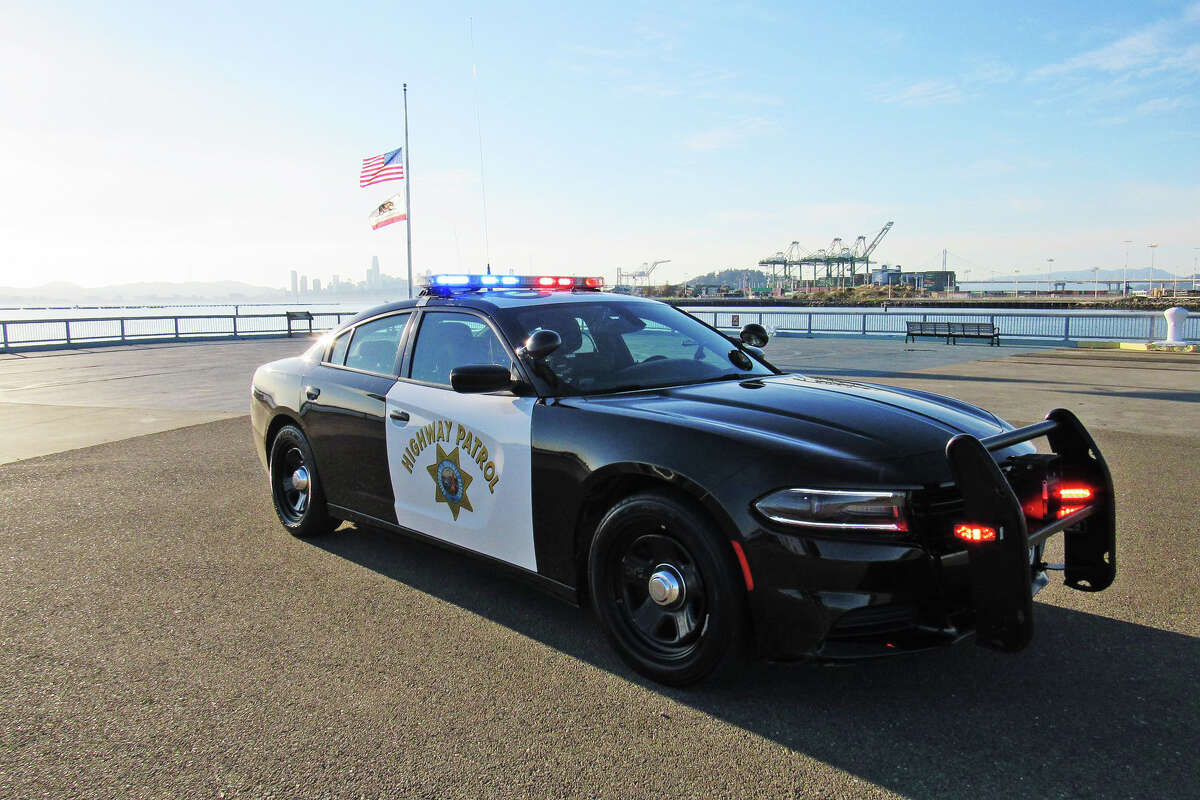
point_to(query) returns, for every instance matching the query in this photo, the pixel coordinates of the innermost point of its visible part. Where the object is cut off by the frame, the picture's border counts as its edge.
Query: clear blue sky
(147, 141)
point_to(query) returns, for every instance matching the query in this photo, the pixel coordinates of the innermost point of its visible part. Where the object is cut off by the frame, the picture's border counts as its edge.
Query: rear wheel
(295, 490)
(664, 590)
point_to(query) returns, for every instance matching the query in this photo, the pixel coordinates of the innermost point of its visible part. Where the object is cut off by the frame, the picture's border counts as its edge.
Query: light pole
(1049, 269)
(1017, 281)
(1125, 272)
(1152, 247)
(1096, 281)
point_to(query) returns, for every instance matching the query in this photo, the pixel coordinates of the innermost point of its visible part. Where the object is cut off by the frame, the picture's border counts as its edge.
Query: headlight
(825, 508)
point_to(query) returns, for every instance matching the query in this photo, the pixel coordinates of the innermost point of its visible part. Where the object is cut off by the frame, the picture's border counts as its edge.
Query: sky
(166, 141)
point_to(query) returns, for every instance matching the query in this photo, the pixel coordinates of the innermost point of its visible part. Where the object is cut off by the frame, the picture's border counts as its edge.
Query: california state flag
(389, 211)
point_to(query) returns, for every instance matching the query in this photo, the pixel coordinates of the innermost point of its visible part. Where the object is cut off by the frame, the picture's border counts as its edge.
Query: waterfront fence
(50, 333)
(1146, 327)
(1133, 327)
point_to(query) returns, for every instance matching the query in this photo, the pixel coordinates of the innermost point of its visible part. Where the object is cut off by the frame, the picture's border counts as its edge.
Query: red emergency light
(972, 533)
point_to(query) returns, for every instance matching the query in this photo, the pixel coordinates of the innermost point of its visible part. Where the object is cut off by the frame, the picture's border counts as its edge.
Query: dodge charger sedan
(708, 507)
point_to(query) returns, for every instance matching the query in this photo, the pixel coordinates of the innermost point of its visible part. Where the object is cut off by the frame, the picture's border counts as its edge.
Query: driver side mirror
(754, 335)
(479, 378)
(540, 345)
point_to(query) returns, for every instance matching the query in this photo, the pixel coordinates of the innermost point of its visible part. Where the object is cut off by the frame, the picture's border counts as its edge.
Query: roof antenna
(489, 268)
(479, 130)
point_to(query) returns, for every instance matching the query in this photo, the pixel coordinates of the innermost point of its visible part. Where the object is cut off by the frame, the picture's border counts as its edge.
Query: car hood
(833, 417)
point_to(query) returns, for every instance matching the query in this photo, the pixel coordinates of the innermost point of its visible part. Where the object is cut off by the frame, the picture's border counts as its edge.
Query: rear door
(460, 463)
(345, 411)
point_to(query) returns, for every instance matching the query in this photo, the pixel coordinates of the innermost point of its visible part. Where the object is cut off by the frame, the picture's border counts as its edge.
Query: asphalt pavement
(161, 636)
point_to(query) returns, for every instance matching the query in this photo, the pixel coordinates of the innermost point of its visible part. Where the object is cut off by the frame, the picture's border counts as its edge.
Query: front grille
(935, 511)
(873, 620)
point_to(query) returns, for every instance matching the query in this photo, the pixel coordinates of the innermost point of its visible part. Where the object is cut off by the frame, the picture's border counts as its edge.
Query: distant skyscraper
(295, 282)
(373, 278)
(316, 285)
(304, 284)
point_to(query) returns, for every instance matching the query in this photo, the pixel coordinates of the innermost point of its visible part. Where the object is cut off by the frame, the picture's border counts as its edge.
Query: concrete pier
(164, 637)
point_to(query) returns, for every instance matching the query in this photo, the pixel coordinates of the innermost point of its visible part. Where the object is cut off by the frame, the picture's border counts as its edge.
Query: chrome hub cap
(300, 480)
(665, 586)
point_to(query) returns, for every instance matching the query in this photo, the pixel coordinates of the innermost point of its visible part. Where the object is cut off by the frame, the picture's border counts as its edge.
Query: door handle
(312, 392)
(398, 415)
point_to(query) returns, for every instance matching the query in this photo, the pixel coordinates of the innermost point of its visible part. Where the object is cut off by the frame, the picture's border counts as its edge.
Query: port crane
(838, 261)
(639, 276)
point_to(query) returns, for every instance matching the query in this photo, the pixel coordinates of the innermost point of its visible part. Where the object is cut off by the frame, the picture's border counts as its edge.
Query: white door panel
(461, 469)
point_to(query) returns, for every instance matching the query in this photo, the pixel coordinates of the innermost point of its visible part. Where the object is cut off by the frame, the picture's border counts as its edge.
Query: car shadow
(1096, 707)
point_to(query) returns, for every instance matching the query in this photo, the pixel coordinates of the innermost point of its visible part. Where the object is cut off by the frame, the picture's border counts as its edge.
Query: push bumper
(836, 600)
(1001, 582)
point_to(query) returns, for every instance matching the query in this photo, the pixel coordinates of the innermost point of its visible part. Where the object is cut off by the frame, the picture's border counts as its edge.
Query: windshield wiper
(737, 376)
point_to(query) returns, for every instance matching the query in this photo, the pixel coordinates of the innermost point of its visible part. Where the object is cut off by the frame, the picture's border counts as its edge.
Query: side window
(337, 355)
(449, 339)
(376, 343)
(587, 344)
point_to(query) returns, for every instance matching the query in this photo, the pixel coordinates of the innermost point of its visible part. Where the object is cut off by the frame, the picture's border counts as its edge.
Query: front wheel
(297, 494)
(664, 590)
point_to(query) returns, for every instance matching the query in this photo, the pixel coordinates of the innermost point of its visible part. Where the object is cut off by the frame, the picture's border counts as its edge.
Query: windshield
(613, 346)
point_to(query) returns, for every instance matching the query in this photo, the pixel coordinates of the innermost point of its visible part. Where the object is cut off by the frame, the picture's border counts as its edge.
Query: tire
(680, 637)
(300, 509)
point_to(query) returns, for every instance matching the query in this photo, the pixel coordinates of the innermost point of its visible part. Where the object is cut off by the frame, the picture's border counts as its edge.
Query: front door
(460, 463)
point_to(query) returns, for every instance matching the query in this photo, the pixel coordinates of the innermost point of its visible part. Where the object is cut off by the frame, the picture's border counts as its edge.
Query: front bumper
(842, 598)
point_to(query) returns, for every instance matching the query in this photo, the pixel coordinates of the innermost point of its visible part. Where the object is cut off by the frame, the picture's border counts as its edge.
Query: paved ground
(54, 400)
(161, 636)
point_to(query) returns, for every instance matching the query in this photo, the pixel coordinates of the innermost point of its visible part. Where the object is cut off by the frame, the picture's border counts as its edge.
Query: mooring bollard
(1175, 317)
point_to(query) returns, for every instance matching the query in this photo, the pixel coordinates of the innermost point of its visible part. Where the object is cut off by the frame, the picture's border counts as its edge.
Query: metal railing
(1145, 327)
(50, 333)
(85, 331)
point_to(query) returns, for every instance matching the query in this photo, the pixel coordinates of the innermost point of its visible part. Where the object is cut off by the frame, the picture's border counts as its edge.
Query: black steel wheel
(295, 490)
(665, 591)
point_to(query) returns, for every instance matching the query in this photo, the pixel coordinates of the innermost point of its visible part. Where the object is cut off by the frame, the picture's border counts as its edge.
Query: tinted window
(338, 354)
(620, 345)
(448, 340)
(376, 343)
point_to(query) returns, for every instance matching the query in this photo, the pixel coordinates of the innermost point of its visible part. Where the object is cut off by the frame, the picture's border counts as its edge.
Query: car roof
(491, 301)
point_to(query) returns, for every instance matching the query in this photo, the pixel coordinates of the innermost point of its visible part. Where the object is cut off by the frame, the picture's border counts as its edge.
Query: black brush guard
(1001, 577)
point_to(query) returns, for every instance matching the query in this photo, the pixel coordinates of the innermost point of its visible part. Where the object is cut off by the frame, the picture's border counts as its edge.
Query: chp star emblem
(450, 481)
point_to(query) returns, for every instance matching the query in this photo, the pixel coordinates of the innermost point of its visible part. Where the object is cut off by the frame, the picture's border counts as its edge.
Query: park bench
(953, 331)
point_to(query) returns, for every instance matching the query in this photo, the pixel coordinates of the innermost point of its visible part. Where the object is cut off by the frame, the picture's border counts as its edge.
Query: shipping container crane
(639, 276)
(838, 261)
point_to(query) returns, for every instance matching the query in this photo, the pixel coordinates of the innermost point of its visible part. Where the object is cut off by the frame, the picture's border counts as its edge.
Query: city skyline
(710, 135)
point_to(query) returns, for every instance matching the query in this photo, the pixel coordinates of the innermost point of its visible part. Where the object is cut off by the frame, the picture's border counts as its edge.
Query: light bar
(552, 282)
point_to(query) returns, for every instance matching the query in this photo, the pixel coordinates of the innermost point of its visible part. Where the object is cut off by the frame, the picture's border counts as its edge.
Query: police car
(621, 453)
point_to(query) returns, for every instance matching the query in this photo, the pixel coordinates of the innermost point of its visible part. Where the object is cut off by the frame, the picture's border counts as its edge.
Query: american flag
(387, 167)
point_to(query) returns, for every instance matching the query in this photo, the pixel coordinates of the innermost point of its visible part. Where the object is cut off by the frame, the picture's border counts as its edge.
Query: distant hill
(146, 292)
(730, 277)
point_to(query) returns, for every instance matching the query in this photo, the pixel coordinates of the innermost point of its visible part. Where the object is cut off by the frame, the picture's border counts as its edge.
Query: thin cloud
(1137, 50)
(926, 93)
(1159, 104)
(947, 91)
(726, 135)
(1166, 45)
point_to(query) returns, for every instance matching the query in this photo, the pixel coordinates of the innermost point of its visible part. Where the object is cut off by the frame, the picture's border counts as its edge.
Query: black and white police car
(618, 451)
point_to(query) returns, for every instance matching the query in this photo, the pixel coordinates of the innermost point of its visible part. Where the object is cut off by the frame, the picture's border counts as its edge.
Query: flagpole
(407, 194)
